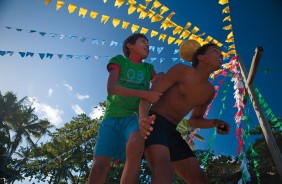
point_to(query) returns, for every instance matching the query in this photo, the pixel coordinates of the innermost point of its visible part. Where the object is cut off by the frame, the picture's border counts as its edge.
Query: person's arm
(198, 121)
(114, 88)
(157, 77)
(164, 82)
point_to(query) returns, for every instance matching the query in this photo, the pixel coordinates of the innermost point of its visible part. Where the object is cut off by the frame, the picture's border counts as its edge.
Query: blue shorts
(113, 135)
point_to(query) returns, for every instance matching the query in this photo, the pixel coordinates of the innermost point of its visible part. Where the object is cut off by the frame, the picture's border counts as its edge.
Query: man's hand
(157, 77)
(153, 96)
(145, 125)
(222, 127)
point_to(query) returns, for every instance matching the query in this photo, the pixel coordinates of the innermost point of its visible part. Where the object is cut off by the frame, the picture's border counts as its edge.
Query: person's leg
(105, 148)
(158, 158)
(189, 170)
(134, 152)
(99, 170)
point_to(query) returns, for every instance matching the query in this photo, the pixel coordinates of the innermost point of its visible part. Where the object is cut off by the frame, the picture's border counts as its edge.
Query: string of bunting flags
(167, 23)
(73, 56)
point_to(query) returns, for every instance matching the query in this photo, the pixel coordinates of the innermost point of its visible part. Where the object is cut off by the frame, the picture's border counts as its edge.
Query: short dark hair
(200, 51)
(131, 39)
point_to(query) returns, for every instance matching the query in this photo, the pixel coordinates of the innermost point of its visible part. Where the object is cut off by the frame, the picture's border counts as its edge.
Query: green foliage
(17, 122)
(187, 132)
(67, 156)
(262, 166)
(219, 168)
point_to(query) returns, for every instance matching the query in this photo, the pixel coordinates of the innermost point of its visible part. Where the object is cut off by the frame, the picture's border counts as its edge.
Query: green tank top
(134, 76)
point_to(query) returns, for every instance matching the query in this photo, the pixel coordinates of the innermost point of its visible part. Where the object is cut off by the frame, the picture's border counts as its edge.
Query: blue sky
(64, 87)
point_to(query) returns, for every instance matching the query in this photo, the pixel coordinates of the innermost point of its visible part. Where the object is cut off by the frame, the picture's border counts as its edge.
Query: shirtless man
(184, 89)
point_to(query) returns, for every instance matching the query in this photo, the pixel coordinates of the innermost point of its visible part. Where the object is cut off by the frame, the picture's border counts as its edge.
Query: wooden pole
(270, 140)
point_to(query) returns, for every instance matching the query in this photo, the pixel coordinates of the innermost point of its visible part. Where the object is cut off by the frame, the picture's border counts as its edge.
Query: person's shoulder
(148, 64)
(119, 57)
(180, 67)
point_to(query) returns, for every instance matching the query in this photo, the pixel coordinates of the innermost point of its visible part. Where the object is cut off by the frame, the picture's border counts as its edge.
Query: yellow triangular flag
(131, 2)
(118, 3)
(188, 25)
(226, 10)
(165, 24)
(147, 2)
(153, 33)
(222, 2)
(156, 18)
(208, 39)
(116, 22)
(144, 30)
(193, 37)
(150, 13)
(170, 40)
(200, 40)
(229, 40)
(156, 4)
(214, 41)
(131, 9)
(82, 11)
(177, 30)
(104, 19)
(59, 4)
(226, 65)
(172, 24)
(134, 28)
(141, 8)
(162, 37)
(229, 27)
(125, 25)
(47, 1)
(71, 8)
(163, 9)
(93, 14)
(225, 54)
(231, 46)
(230, 35)
(178, 42)
(185, 34)
(195, 29)
(227, 18)
(219, 44)
(142, 15)
(232, 52)
(170, 15)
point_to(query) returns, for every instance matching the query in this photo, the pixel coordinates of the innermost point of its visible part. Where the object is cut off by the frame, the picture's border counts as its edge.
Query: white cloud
(82, 97)
(53, 115)
(77, 109)
(50, 92)
(97, 112)
(69, 87)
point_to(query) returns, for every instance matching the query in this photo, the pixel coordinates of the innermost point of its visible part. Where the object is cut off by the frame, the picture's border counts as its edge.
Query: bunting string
(273, 120)
(239, 96)
(44, 55)
(134, 27)
(224, 73)
(230, 37)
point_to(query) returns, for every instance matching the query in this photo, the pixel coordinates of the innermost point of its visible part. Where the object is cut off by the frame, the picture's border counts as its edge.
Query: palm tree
(188, 133)
(17, 121)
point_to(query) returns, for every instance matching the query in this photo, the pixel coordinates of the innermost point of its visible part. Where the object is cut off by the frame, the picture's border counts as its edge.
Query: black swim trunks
(165, 133)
